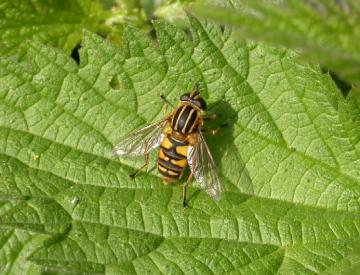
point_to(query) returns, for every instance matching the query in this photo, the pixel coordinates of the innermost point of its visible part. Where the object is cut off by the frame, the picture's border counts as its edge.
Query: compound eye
(202, 103)
(185, 97)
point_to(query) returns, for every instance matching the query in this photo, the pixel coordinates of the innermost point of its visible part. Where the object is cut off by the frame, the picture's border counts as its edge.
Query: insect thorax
(185, 119)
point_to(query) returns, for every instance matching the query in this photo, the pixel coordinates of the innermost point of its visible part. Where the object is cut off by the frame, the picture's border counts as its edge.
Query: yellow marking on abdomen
(182, 150)
(180, 163)
(162, 168)
(166, 143)
(171, 173)
(162, 156)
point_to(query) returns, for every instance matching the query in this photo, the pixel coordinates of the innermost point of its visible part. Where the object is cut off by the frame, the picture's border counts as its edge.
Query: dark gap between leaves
(152, 33)
(222, 28)
(344, 86)
(75, 53)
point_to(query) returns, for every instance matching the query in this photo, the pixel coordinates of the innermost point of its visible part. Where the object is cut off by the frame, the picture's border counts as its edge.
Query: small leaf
(56, 22)
(288, 161)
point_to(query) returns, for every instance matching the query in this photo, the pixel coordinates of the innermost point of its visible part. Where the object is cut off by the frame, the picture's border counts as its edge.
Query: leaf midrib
(315, 161)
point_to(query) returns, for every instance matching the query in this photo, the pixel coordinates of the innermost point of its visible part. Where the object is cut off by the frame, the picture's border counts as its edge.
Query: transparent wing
(203, 167)
(142, 141)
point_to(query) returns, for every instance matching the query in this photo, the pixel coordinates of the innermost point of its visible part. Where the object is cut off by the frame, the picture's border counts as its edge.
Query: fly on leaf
(181, 141)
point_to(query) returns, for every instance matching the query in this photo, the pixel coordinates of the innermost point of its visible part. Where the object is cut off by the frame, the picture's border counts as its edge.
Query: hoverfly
(181, 141)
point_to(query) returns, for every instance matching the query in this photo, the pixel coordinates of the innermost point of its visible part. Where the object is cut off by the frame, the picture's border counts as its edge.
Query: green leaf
(57, 22)
(323, 31)
(288, 162)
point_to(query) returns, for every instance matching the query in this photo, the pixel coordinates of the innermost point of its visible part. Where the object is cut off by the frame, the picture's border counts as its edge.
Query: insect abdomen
(185, 119)
(172, 158)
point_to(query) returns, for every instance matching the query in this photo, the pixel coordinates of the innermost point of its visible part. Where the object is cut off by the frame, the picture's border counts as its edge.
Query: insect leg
(166, 101)
(197, 87)
(212, 117)
(185, 190)
(151, 169)
(133, 175)
(213, 131)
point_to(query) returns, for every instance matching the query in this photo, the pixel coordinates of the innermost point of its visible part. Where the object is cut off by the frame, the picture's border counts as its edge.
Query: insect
(181, 141)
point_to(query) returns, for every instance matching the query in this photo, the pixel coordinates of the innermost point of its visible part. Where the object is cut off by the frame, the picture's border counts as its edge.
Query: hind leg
(146, 157)
(185, 190)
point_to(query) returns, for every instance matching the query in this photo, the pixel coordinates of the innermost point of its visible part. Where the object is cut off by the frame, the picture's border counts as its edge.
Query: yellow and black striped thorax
(172, 158)
(185, 119)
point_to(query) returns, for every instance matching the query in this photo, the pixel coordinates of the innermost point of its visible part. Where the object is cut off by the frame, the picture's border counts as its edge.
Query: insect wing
(142, 141)
(203, 167)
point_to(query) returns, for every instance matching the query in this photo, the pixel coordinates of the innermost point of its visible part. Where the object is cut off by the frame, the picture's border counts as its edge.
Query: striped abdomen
(172, 158)
(185, 119)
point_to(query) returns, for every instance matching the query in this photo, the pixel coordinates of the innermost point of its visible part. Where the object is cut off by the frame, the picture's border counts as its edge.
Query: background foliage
(289, 160)
(323, 31)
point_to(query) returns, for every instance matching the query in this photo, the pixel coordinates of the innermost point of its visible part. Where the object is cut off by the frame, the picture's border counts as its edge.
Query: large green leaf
(57, 22)
(289, 160)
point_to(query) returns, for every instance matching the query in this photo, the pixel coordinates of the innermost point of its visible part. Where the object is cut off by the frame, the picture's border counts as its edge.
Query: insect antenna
(197, 87)
(166, 101)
